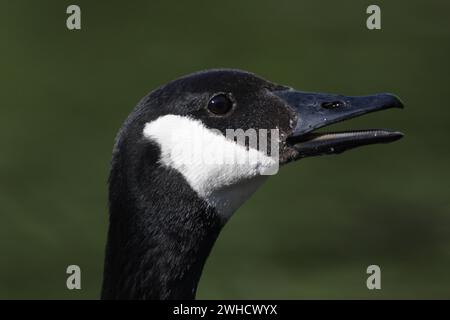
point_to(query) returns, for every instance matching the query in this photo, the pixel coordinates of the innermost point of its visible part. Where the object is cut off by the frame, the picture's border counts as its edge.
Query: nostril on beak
(332, 104)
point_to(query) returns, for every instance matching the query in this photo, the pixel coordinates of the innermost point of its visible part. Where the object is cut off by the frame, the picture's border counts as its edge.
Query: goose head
(192, 151)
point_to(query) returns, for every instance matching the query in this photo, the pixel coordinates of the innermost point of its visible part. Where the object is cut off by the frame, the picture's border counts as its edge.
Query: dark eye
(220, 104)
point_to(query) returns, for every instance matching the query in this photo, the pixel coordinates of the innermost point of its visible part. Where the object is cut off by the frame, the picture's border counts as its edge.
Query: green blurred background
(309, 232)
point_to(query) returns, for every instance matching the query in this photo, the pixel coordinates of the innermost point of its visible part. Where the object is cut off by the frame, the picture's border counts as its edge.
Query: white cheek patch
(221, 171)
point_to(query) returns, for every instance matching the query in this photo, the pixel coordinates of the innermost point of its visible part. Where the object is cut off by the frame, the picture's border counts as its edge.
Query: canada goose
(166, 214)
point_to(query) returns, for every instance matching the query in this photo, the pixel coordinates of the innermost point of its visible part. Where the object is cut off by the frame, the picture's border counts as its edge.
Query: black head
(165, 211)
(232, 99)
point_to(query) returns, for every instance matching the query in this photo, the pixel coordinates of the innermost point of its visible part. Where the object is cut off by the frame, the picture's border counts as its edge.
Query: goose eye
(220, 104)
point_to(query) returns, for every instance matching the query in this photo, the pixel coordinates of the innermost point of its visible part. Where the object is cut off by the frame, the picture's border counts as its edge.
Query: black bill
(317, 110)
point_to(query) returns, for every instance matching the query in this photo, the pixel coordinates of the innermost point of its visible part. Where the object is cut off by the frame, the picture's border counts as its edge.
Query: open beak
(317, 110)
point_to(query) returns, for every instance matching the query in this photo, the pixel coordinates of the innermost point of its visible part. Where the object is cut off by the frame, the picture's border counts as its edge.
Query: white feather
(221, 171)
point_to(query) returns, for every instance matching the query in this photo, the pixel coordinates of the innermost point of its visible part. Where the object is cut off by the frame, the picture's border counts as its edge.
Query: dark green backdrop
(310, 231)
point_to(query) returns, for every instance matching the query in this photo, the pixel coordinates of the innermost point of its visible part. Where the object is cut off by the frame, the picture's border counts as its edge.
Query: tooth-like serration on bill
(376, 133)
(337, 142)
